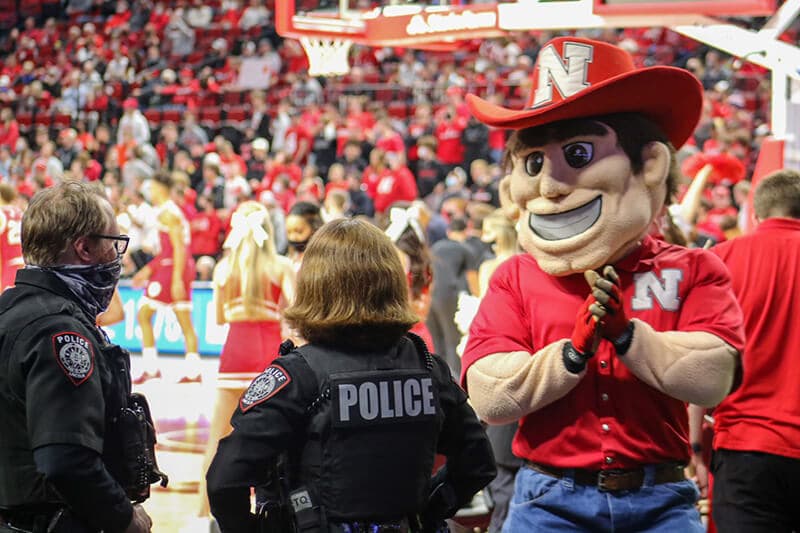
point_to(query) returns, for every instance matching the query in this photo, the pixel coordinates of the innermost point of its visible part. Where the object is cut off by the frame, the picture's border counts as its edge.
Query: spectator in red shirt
(281, 165)
(336, 179)
(386, 138)
(397, 185)
(756, 461)
(297, 141)
(159, 17)
(374, 172)
(206, 229)
(450, 150)
(9, 129)
(120, 17)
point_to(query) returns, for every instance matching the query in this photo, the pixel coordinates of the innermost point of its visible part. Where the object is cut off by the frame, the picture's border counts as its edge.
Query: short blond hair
(778, 195)
(351, 288)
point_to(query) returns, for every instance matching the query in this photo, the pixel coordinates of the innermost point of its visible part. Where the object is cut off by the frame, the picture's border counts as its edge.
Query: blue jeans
(545, 503)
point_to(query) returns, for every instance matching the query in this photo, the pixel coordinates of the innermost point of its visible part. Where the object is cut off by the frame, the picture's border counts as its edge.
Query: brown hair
(56, 217)
(634, 131)
(351, 289)
(778, 195)
(7, 193)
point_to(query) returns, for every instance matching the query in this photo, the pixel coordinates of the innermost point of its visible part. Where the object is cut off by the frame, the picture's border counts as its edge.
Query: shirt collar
(44, 280)
(642, 257)
(779, 224)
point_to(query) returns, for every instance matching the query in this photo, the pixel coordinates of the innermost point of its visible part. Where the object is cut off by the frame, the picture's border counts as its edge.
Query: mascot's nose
(552, 189)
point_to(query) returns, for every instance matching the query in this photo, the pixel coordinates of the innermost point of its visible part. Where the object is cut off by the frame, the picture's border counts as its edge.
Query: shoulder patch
(75, 355)
(264, 387)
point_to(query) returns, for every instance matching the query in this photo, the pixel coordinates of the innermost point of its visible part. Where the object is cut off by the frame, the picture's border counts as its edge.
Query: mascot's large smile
(564, 225)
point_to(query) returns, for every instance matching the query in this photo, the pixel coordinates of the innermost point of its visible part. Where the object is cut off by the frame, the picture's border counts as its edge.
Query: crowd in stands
(117, 91)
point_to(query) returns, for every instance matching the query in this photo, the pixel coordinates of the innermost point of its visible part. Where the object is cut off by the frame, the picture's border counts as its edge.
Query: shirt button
(604, 397)
(609, 460)
(603, 364)
(606, 428)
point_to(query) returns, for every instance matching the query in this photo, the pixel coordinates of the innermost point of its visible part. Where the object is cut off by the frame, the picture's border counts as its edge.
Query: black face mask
(299, 246)
(92, 284)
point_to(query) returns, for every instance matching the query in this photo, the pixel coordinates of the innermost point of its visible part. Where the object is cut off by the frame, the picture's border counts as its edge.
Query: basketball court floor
(181, 413)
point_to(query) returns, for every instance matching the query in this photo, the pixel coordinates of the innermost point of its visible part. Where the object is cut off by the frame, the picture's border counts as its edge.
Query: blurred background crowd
(116, 92)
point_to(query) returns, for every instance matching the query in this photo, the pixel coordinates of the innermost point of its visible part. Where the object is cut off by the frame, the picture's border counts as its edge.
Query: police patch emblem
(265, 386)
(75, 356)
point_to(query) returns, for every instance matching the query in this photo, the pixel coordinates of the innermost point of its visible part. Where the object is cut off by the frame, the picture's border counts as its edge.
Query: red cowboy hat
(577, 78)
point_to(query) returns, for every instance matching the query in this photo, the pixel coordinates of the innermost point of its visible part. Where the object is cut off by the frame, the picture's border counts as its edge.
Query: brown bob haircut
(634, 132)
(57, 216)
(351, 289)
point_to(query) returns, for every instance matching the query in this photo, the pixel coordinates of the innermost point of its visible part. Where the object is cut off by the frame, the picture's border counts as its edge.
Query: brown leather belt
(614, 480)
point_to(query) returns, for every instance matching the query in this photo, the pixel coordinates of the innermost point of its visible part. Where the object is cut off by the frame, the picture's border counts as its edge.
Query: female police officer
(361, 409)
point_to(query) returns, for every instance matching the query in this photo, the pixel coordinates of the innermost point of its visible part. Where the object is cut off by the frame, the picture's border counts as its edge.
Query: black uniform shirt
(55, 387)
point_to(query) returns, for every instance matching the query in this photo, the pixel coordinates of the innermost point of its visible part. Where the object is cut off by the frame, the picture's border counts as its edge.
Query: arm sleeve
(261, 431)
(63, 389)
(82, 480)
(470, 460)
(698, 362)
(501, 324)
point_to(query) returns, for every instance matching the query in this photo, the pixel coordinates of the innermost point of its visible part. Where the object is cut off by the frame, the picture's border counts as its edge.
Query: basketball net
(327, 57)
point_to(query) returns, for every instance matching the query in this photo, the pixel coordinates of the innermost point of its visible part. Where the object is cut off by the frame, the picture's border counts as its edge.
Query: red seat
(171, 115)
(235, 115)
(62, 120)
(211, 117)
(43, 119)
(398, 110)
(232, 98)
(24, 120)
(153, 116)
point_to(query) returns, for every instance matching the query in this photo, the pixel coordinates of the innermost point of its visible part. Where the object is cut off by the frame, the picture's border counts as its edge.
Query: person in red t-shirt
(597, 338)
(397, 185)
(756, 461)
(450, 150)
(297, 141)
(10, 241)
(206, 229)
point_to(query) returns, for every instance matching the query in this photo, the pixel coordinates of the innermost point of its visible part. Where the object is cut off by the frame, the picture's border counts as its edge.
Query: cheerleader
(405, 231)
(252, 284)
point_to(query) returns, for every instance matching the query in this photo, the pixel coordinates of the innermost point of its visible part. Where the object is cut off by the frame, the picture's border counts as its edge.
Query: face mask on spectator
(299, 246)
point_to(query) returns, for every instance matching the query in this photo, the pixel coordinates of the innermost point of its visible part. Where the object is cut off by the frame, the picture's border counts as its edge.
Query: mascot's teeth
(567, 224)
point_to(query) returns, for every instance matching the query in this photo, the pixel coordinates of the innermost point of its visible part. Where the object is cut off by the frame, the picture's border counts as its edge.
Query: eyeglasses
(120, 241)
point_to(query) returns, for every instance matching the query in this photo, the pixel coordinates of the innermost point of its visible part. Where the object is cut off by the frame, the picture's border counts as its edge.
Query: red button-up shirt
(611, 419)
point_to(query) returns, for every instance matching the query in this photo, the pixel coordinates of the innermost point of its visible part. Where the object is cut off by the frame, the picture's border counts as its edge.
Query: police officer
(361, 409)
(60, 379)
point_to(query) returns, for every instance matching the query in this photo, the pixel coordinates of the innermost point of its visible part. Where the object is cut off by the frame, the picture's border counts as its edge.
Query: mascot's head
(593, 152)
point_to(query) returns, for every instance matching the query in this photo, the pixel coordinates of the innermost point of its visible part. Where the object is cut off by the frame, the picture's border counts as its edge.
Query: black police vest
(20, 483)
(373, 432)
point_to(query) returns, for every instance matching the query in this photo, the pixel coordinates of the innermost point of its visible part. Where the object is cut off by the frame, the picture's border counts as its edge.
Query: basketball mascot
(598, 336)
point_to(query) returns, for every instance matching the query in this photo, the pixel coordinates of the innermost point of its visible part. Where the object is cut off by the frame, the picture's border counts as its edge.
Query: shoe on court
(146, 376)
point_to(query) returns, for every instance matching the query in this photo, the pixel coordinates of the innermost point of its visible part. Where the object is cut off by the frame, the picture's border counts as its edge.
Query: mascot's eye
(578, 155)
(534, 162)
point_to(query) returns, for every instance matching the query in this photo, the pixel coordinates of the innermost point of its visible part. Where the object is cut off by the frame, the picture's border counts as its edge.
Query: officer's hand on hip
(141, 522)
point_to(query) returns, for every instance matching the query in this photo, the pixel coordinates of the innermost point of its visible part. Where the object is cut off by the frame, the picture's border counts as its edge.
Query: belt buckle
(602, 477)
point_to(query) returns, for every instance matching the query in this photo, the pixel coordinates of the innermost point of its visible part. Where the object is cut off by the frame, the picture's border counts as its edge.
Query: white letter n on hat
(569, 74)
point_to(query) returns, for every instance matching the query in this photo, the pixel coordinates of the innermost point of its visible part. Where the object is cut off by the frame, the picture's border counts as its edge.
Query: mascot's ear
(510, 209)
(656, 158)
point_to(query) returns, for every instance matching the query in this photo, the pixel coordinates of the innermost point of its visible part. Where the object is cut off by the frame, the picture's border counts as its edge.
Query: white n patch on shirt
(665, 290)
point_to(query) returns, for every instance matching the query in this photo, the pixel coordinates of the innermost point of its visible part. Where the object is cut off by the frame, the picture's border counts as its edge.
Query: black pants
(755, 492)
